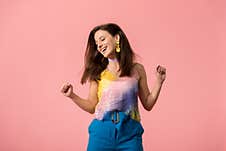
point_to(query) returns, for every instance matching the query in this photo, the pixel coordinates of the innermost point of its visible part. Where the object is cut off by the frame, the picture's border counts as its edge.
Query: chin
(106, 55)
(111, 54)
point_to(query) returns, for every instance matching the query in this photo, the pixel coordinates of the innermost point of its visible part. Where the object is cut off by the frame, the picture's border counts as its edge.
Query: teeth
(104, 49)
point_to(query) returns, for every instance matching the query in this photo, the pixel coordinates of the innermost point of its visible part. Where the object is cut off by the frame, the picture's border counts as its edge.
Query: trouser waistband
(115, 116)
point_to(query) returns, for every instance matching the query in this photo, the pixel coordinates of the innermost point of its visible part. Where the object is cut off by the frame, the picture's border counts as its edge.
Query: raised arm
(88, 104)
(148, 99)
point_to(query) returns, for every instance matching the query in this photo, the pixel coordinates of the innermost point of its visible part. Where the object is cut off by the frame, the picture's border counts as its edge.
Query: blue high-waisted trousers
(116, 132)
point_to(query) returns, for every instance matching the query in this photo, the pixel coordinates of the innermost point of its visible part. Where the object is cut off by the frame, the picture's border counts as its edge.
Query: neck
(113, 64)
(114, 60)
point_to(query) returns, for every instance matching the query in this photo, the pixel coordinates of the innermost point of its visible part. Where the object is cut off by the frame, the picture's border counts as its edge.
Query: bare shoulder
(93, 83)
(138, 67)
(139, 70)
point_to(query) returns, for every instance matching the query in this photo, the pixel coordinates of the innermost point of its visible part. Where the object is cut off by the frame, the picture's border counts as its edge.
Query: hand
(160, 74)
(67, 89)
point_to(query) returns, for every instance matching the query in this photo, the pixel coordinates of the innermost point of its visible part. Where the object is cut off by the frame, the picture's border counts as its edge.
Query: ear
(117, 37)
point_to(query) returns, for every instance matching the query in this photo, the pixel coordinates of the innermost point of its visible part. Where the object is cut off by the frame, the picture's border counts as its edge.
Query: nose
(99, 45)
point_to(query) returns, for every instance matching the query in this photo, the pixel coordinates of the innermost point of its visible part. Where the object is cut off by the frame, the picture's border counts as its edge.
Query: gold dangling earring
(117, 49)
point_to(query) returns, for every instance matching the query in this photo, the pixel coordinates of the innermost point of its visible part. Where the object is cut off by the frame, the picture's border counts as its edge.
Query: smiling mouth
(103, 50)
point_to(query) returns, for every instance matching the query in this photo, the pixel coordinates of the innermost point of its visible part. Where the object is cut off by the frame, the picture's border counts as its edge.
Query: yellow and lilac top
(117, 93)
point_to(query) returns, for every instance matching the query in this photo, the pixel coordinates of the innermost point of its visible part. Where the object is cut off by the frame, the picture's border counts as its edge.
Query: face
(105, 43)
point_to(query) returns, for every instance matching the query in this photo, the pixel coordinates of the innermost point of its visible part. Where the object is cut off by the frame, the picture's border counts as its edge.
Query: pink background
(42, 44)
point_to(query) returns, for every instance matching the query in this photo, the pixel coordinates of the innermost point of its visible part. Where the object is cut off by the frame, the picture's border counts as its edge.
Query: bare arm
(88, 104)
(148, 99)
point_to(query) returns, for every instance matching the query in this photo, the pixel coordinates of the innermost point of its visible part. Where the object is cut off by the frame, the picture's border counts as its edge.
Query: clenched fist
(161, 73)
(67, 89)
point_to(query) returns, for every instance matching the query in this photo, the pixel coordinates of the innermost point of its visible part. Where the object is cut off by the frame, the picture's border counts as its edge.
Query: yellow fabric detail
(135, 115)
(105, 79)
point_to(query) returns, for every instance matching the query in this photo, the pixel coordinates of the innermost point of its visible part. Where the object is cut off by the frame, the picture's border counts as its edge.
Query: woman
(116, 81)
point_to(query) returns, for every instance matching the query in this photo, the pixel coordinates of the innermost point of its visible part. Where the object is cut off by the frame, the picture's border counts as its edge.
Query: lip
(103, 49)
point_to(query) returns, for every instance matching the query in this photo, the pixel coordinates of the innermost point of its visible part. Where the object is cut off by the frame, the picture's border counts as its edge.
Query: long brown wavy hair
(95, 62)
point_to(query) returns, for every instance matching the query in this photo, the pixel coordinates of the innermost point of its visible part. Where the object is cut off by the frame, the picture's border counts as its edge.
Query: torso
(118, 93)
